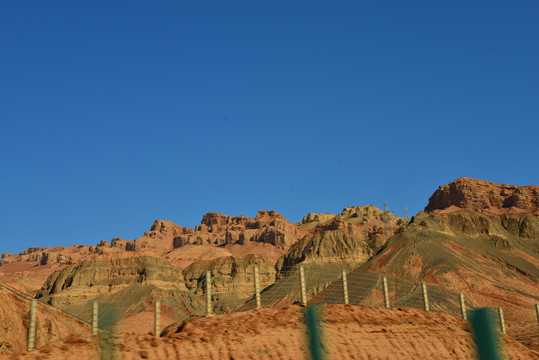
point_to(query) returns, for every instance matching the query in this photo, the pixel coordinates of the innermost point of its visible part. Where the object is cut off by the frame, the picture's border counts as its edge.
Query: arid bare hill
(350, 332)
(268, 235)
(130, 280)
(335, 242)
(51, 325)
(492, 256)
(28, 270)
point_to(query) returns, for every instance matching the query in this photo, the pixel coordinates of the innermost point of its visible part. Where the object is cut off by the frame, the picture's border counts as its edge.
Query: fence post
(462, 306)
(485, 334)
(95, 314)
(208, 293)
(312, 320)
(257, 288)
(386, 292)
(302, 285)
(345, 286)
(425, 296)
(502, 322)
(32, 325)
(157, 318)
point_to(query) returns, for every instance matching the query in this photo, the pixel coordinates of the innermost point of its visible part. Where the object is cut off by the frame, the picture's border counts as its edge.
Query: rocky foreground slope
(51, 325)
(350, 332)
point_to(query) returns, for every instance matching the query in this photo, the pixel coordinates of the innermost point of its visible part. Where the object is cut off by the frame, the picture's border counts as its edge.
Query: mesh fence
(308, 284)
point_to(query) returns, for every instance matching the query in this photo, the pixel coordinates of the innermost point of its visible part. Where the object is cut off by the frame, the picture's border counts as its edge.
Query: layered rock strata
(108, 274)
(232, 279)
(485, 196)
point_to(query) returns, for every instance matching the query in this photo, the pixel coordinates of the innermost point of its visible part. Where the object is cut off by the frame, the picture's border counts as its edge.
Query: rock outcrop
(317, 217)
(28, 270)
(108, 274)
(362, 221)
(485, 196)
(232, 279)
(268, 234)
(328, 246)
(218, 229)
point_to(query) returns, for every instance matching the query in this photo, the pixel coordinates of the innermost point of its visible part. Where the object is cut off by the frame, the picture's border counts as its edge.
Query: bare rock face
(366, 222)
(160, 238)
(28, 270)
(484, 196)
(218, 229)
(232, 279)
(109, 273)
(328, 246)
(317, 217)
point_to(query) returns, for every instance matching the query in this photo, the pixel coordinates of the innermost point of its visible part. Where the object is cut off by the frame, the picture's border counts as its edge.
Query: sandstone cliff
(484, 196)
(107, 274)
(28, 270)
(362, 221)
(232, 279)
(268, 234)
(126, 284)
(329, 246)
(267, 227)
(218, 229)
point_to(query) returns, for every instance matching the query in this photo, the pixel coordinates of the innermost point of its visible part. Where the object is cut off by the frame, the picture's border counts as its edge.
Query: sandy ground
(350, 332)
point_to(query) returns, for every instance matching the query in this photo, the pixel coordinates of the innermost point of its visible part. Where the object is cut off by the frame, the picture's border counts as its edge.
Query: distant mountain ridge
(485, 196)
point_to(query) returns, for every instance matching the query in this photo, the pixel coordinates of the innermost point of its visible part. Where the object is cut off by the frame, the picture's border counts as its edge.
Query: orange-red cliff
(485, 196)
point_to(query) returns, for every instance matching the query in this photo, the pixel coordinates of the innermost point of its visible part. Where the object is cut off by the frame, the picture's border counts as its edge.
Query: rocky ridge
(485, 196)
(108, 274)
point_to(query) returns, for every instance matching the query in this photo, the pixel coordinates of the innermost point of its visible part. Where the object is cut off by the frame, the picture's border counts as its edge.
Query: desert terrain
(475, 238)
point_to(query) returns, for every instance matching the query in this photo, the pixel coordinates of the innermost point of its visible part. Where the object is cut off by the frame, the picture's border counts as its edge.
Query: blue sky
(114, 115)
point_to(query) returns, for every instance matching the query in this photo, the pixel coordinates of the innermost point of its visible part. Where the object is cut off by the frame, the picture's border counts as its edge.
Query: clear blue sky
(114, 115)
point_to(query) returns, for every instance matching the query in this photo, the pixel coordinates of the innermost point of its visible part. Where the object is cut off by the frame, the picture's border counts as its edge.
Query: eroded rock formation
(485, 196)
(328, 246)
(267, 227)
(232, 278)
(107, 274)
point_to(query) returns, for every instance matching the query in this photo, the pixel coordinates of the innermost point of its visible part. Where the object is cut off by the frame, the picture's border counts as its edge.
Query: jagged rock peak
(367, 212)
(484, 196)
(317, 217)
(215, 218)
(168, 228)
(269, 215)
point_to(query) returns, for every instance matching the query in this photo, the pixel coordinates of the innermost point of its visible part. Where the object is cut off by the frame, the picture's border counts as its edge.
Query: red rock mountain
(485, 196)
